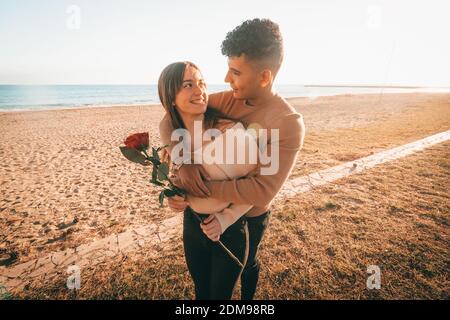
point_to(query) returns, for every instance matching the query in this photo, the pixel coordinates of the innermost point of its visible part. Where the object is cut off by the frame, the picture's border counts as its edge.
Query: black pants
(213, 271)
(249, 278)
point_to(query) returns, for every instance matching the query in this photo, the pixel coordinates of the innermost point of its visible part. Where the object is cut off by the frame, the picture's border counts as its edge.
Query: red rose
(138, 141)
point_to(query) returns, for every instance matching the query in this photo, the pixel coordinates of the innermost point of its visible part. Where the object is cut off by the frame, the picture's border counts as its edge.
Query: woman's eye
(188, 85)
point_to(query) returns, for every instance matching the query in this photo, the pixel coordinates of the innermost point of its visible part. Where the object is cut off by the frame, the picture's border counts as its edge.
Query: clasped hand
(211, 226)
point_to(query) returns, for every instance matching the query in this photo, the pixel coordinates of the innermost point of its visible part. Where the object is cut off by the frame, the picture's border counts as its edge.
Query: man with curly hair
(255, 54)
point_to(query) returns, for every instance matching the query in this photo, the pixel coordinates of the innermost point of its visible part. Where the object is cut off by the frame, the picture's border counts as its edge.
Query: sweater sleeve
(221, 101)
(258, 189)
(230, 215)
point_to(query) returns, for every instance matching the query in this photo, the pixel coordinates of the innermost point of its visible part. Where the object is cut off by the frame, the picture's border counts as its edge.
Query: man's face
(243, 77)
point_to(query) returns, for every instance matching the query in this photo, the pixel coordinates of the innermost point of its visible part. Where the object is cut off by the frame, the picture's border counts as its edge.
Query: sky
(339, 42)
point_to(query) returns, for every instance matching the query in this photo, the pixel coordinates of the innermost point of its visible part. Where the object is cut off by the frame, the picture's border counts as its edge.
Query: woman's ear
(266, 78)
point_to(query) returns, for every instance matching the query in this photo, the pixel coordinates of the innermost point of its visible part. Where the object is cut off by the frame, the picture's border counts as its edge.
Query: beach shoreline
(311, 96)
(78, 107)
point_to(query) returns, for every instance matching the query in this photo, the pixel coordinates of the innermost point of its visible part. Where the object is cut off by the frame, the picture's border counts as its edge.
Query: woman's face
(192, 98)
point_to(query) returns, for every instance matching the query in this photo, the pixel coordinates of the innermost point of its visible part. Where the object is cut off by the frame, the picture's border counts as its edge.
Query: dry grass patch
(319, 244)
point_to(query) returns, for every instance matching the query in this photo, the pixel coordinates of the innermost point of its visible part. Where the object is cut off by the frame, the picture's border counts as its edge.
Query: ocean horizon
(48, 97)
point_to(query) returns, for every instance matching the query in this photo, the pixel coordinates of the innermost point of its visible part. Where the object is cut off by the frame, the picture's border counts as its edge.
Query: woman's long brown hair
(169, 84)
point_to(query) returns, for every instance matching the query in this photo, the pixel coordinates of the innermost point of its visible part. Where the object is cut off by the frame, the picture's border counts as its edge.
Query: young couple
(232, 199)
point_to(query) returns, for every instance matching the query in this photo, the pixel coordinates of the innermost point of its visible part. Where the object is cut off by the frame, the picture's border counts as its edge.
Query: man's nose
(227, 77)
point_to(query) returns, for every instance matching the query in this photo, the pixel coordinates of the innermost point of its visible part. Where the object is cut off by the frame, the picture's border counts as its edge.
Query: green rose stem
(177, 191)
(232, 256)
(160, 175)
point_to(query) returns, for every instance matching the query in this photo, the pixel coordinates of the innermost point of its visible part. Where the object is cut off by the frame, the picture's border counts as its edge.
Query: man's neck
(261, 99)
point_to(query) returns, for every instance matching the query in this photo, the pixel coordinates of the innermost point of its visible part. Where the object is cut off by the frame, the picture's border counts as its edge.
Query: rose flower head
(138, 141)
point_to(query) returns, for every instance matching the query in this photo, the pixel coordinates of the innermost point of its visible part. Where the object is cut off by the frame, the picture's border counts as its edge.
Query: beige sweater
(255, 189)
(226, 213)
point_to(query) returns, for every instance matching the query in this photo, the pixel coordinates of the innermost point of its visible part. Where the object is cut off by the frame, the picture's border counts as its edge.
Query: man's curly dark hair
(258, 39)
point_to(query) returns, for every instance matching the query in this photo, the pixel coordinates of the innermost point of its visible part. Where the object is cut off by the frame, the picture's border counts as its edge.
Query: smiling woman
(192, 98)
(183, 94)
(175, 87)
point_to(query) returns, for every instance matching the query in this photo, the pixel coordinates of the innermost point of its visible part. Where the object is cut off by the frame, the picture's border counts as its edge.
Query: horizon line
(223, 84)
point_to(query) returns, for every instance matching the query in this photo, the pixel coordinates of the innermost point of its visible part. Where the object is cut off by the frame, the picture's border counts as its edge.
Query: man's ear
(266, 77)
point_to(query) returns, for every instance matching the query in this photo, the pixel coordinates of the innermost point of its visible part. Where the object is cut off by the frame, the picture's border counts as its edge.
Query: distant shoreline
(67, 108)
(57, 97)
(153, 104)
(373, 86)
(215, 84)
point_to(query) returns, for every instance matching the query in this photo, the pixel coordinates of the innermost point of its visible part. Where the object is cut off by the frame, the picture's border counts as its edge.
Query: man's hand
(211, 227)
(177, 203)
(190, 178)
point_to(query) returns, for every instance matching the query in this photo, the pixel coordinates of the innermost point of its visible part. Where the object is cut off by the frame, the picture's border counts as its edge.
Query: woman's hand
(211, 227)
(177, 203)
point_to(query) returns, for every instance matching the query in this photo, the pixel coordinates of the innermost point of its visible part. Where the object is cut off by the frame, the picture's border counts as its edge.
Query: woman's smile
(198, 101)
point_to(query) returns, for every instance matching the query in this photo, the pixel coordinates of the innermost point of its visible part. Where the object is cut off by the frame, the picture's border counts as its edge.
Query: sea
(47, 97)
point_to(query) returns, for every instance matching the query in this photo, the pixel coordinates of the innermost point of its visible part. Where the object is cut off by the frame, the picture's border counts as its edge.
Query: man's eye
(236, 73)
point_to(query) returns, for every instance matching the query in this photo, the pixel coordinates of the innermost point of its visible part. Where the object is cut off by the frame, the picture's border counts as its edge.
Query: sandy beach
(64, 182)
